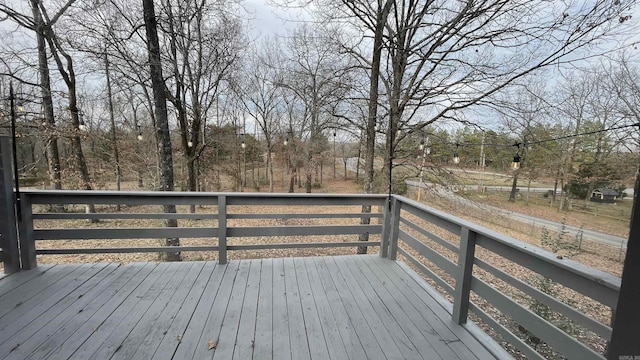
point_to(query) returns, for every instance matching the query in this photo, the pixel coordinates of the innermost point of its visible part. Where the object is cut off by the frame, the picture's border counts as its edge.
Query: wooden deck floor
(347, 307)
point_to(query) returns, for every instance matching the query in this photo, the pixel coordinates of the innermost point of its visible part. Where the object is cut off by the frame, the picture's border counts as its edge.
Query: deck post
(27, 241)
(626, 320)
(394, 228)
(222, 229)
(8, 227)
(384, 236)
(463, 277)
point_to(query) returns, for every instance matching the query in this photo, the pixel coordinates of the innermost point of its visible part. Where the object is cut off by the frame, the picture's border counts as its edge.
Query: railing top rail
(601, 277)
(109, 193)
(185, 198)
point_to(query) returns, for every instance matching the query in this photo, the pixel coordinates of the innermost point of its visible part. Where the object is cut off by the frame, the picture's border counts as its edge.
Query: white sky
(268, 19)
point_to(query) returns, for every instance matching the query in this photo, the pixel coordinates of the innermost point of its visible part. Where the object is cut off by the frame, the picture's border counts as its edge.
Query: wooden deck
(346, 307)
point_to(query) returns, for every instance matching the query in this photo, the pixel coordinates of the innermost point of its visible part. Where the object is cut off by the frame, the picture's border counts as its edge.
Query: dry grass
(541, 207)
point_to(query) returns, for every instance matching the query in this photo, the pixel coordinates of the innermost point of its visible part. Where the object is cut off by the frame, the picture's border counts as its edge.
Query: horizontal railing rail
(446, 250)
(221, 210)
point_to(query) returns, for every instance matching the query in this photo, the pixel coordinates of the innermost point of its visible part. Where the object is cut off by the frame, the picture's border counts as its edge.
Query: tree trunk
(51, 147)
(253, 174)
(387, 169)
(514, 186)
(68, 75)
(308, 168)
(114, 138)
(162, 119)
(334, 157)
(76, 149)
(192, 179)
(555, 186)
(587, 197)
(270, 167)
(292, 181)
(381, 20)
(358, 160)
(561, 201)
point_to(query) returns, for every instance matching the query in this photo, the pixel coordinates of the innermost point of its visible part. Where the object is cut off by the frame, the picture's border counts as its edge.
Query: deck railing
(474, 267)
(219, 218)
(461, 259)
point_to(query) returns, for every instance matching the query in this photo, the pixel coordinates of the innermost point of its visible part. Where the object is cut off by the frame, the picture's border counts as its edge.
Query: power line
(584, 133)
(517, 144)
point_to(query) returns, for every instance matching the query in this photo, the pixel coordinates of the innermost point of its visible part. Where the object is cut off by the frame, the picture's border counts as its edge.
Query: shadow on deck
(341, 307)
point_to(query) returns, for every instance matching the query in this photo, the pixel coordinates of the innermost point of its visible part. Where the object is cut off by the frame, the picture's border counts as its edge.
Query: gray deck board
(244, 341)
(346, 307)
(139, 300)
(391, 291)
(213, 326)
(12, 281)
(89, 318)
(281, 343)
(318, 348)
(24, 339)
(193, 331)
(408, 339)
(299, 339)
(25, 293)
(334, 314)
(445, 327)
(172, 336)
(263, 339)
(50, 299)
(139, 343)
(154, 336)
(226, 341)
(353, 306)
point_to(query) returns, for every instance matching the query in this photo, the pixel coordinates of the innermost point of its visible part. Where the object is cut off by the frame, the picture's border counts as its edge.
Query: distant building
(604, 195)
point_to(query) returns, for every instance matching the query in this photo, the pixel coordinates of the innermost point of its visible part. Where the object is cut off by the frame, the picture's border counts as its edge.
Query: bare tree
(36, 24)
(65, 67)
(162, 119)
(444, 57)
(204, 43)
(522, 109)
(319, 75)
(262, 97)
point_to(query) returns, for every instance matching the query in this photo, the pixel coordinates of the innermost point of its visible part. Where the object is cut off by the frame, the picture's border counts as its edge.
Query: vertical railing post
(8, 226)
(222, 229)
(463, 277)
(386, 231)
(394, 228)
(27, 241)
